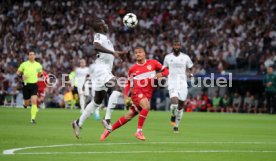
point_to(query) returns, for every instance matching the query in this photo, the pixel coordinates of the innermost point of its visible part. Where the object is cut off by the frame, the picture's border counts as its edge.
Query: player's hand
(128, 101)
(121, 54)
(158, 75)
(190, 75)
(24, 77)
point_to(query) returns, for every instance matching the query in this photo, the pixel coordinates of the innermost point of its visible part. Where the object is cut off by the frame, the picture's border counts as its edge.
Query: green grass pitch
(202, 137)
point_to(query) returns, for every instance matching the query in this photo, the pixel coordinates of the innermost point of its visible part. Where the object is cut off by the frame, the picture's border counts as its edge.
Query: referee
(30, 70)
(270, 90)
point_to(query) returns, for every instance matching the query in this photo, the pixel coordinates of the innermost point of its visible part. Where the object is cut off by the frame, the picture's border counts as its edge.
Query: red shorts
(41, 93)
(136, 98)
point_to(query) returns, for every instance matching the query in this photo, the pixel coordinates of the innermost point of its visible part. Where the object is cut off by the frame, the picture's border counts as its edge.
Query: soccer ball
(130, 20)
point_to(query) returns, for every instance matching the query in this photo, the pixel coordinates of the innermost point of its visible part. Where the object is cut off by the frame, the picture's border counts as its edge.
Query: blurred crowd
(229, 102)
(219, 36)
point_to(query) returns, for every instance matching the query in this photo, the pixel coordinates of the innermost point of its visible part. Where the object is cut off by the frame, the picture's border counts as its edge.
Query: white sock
(179, 114)
(42, 105)
(138, 130)
(82, 101)
(97, 111)
(90, 108)
(173, 107)
(112, 101)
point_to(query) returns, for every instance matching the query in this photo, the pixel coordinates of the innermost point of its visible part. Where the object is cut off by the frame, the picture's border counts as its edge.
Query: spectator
(68, 99)
(2, 95)
(190, 104)
(237, 102)
(262, 104)
(254, 106)
(225, 104)
(200, 104)
(58, 100)
(247, 102)
(215, 103)
(206, 99)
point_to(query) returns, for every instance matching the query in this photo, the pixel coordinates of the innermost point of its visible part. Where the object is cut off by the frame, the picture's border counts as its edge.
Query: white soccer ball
(130, 20)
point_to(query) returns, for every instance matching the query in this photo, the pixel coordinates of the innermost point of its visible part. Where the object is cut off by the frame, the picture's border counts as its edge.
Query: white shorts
(100, 76)
(180, 94)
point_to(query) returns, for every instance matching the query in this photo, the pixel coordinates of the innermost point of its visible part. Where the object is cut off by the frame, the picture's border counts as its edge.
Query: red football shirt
(141, 77)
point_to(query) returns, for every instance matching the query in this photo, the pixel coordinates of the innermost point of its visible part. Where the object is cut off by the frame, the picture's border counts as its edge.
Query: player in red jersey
(42, 84)
(140, 78)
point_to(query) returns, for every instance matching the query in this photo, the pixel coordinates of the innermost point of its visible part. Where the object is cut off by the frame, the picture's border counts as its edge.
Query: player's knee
(26, 103)
(128, 117)
(174, 100)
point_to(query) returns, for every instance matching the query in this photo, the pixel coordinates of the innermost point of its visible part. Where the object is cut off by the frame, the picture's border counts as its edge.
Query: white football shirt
(81, 75)
(104, 58)
(177, 66)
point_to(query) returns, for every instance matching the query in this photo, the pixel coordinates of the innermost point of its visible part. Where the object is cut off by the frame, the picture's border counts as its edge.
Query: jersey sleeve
(158, 66)
(164, 70)
(190, 64)
(98, 38)
(21, 67)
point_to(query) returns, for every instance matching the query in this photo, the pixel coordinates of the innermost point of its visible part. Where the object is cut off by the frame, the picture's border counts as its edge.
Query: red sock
(119, 123)
(142, 118)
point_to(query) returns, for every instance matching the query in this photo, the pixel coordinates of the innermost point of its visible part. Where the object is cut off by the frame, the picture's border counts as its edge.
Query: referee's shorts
(29, 90)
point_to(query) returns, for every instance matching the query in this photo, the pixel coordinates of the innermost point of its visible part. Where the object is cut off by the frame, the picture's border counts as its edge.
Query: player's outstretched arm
(100, 48)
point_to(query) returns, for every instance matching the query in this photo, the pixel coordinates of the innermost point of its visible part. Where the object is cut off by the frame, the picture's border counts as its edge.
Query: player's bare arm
(100, 48)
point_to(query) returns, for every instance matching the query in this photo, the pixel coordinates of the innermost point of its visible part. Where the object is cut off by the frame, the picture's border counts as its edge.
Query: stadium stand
(220, 37)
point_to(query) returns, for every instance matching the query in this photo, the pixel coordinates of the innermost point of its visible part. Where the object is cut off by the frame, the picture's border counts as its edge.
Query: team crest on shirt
(149, 67)
(140, 95)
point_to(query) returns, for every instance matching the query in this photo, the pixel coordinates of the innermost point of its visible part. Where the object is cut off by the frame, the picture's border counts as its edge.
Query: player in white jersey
(81, 72)
(102, 76)
(178, 63)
